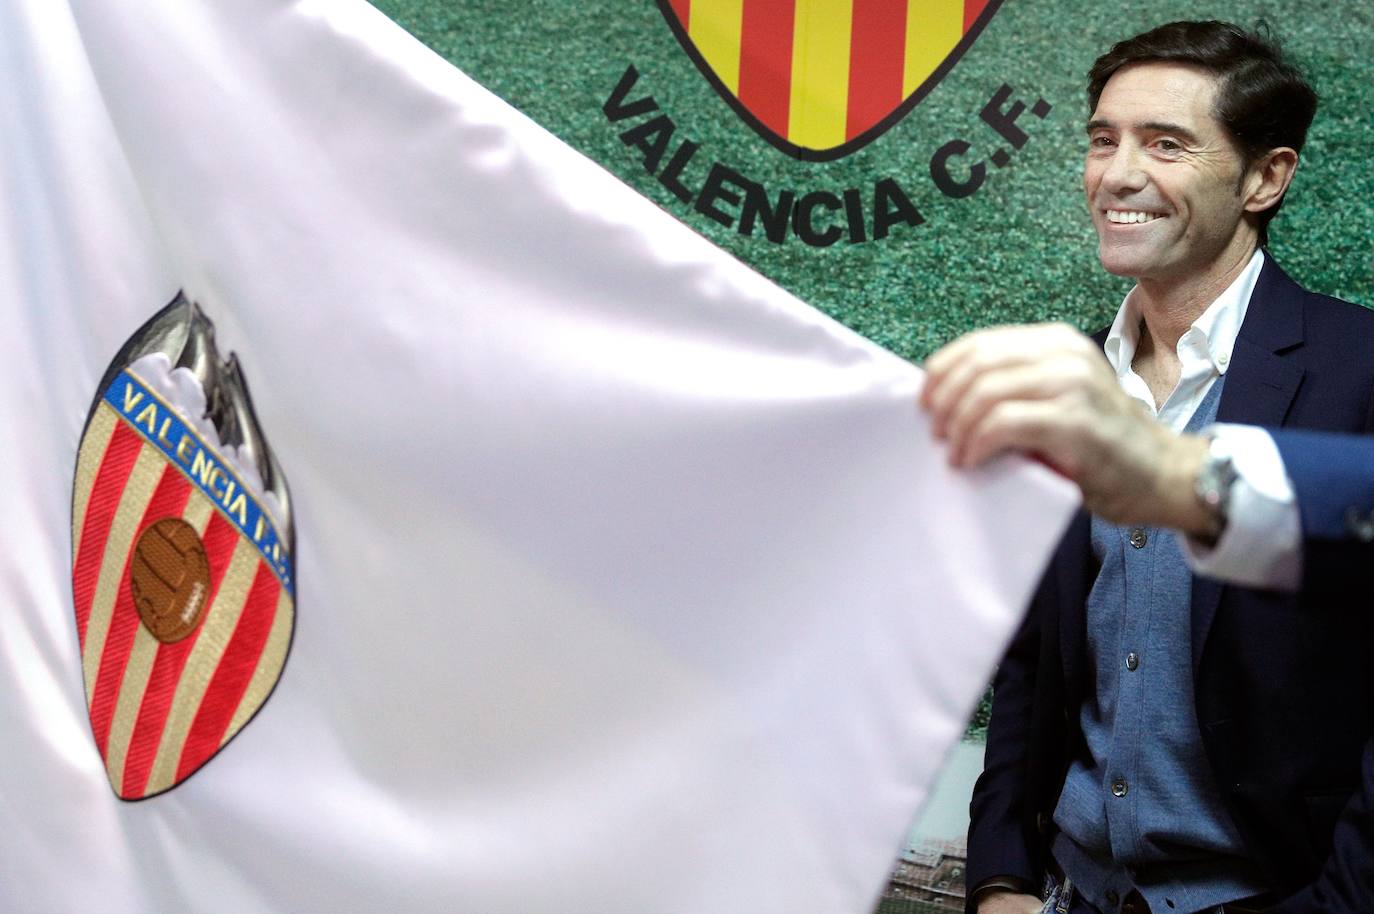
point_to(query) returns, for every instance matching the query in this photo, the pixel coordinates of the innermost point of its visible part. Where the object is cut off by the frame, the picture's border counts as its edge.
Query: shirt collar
(1212, 335)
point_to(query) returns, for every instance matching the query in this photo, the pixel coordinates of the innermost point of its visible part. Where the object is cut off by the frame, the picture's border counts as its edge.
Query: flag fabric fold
(624, 581)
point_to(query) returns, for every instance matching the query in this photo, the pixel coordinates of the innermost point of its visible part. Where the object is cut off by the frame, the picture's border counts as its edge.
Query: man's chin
(1125, 263)
(1121, 266)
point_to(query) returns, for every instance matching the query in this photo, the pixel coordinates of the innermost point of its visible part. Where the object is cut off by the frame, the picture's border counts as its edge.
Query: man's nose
(1125, 170)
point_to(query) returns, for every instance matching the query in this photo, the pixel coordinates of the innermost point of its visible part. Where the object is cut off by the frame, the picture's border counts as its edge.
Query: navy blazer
(1284, 694)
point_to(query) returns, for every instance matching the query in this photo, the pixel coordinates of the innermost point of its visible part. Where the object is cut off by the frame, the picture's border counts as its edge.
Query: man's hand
(1047, 389)
(1006, 902)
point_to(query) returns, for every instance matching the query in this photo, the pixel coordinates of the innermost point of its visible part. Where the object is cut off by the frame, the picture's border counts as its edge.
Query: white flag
(611, 577)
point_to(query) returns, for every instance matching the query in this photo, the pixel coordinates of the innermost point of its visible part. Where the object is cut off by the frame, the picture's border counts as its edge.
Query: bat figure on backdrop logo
(820, 80)
(182, 556)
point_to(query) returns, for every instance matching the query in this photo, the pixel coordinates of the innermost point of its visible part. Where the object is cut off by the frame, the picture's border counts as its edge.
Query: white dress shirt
(1261, 545)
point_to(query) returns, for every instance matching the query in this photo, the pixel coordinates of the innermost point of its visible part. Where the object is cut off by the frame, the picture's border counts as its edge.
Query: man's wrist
(1180, 505)
(1214, 482)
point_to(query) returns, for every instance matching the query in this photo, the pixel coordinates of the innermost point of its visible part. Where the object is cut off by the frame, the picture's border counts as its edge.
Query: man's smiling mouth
(1129, 217)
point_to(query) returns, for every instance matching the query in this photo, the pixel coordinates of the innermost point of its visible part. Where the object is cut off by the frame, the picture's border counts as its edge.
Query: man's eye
(1169, 145)
(1100, 142)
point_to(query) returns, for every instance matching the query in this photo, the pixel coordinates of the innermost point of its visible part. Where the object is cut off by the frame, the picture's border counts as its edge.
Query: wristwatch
(1213, 484)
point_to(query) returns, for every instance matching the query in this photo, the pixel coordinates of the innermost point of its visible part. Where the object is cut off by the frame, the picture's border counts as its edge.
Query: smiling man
(1159, 741)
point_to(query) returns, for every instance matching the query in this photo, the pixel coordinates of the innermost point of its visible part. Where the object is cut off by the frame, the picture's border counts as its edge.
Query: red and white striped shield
(182, 556)
(822, 78)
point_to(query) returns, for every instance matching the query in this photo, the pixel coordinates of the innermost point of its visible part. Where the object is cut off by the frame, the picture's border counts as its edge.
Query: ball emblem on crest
(170, 579)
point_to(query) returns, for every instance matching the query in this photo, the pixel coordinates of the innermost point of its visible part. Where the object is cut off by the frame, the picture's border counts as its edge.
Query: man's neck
(1169, 307)
(1167, 310)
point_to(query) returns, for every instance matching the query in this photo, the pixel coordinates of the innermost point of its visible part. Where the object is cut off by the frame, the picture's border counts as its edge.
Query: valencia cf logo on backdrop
(182, 556)
(822, 78)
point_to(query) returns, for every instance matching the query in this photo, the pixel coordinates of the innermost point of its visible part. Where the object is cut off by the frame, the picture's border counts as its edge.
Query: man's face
(1162, 176)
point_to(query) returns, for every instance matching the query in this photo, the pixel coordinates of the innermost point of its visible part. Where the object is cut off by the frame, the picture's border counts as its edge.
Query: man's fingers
(951, 370)
(946, 393)
(987, 391)
(946, 371)
(980, 390)
(1035, 426)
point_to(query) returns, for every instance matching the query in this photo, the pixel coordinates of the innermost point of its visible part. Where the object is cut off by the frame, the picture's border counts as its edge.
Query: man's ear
(1268, 178)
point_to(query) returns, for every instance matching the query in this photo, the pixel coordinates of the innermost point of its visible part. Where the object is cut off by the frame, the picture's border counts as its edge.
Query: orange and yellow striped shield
(182, 556)
(821, 78)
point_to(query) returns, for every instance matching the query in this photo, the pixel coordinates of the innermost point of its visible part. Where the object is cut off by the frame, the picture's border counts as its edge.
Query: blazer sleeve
(997, 843)
(1025, 758)
(1022, 764)
(997, 805)
(1333, 479)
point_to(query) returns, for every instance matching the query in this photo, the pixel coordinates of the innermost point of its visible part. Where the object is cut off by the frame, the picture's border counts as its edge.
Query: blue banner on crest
(159, 423)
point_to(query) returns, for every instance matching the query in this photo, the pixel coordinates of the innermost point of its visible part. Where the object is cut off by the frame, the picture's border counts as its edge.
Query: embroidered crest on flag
(820, 79)
(182, 568)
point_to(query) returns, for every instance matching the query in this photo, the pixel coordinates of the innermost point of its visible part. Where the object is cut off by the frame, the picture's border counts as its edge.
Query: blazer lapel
(1259, 389)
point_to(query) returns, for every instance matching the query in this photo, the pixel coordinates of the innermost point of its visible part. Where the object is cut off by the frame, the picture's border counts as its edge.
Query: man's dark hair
(1263, 101)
